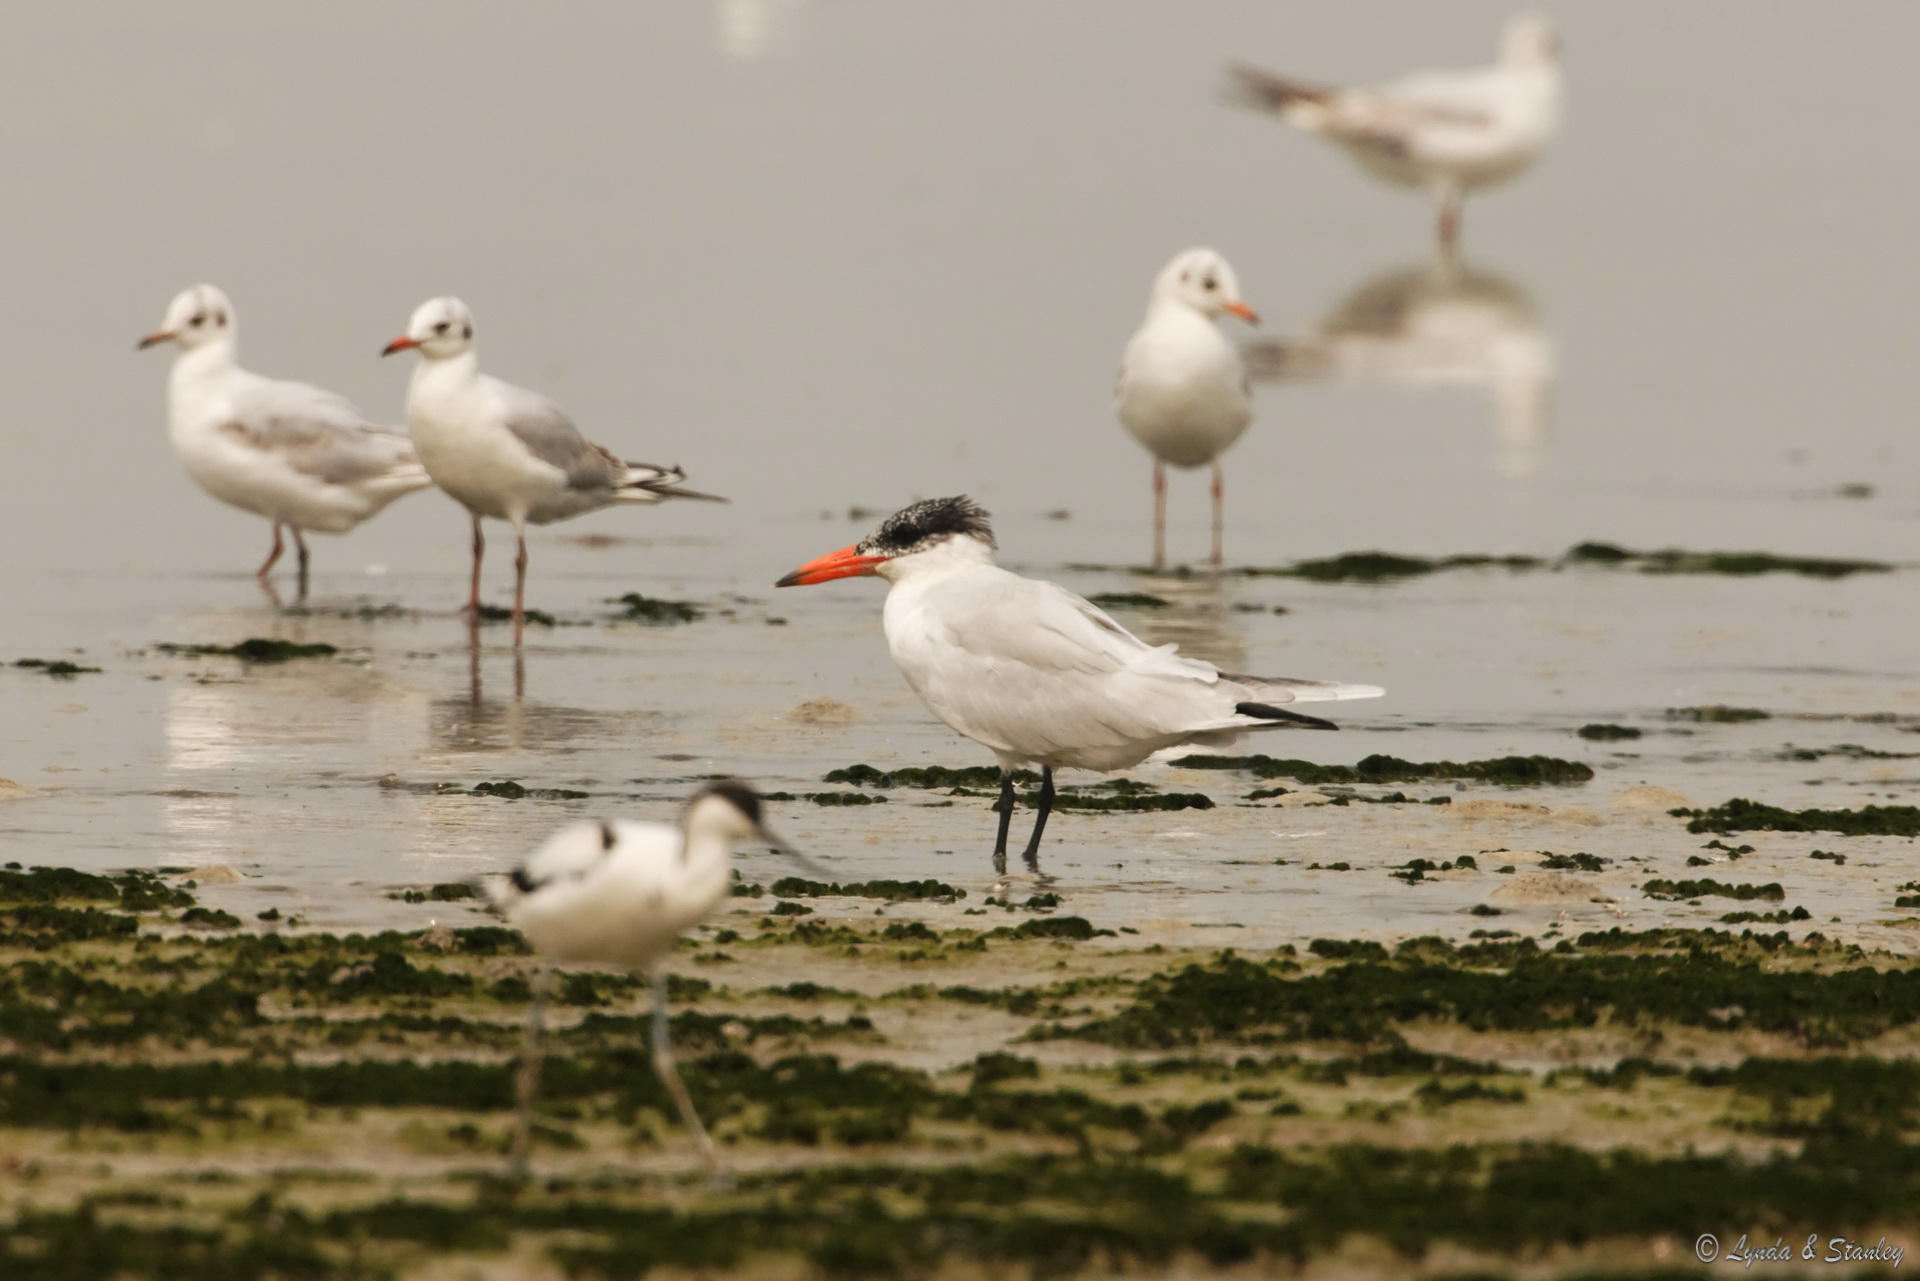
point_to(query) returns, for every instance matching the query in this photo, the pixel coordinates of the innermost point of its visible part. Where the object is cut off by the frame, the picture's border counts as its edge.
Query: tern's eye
(199, 319)
(441, 328)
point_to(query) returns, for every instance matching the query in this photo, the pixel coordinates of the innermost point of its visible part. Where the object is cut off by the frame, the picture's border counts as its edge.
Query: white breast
(1182, 390)
(467, 450)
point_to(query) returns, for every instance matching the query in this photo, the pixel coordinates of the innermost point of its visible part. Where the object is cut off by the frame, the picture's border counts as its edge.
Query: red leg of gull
(1159, 514)
(473, 592)
(1449, 221)
(273, 556)
(1219, 512)
(520, 590)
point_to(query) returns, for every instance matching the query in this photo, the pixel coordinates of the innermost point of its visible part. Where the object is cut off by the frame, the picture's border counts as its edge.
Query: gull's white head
(1202, 280)
(1529, 40)
(938, 529)
(440, 328)
(198, 315)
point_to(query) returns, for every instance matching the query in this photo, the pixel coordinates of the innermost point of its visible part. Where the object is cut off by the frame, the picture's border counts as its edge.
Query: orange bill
(398, 344)
(1245, 312)
(845, 563)
(159, 335)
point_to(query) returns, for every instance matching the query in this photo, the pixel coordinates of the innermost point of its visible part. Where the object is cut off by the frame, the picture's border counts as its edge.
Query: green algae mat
(182, 1096)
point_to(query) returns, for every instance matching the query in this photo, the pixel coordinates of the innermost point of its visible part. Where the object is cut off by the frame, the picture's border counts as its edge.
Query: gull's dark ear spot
(607, 837)
(466, 331)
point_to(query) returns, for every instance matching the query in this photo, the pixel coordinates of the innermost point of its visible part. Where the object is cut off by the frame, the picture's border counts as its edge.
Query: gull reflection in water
(472, 721)
(1445, 324)
(244, 751)
(1197, 616)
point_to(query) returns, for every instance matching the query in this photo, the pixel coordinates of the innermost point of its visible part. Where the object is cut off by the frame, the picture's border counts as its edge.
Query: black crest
(743, 797)
(928, 522)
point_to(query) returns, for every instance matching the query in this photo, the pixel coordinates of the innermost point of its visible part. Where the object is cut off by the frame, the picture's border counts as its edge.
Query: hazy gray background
(824, 252)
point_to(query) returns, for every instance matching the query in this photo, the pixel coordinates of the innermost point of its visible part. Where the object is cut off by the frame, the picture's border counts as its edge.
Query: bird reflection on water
(1444, 324)
(1198, 617)
(475, 722)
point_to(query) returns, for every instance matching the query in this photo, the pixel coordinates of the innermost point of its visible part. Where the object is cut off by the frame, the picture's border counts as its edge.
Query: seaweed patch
(654, 612)
(1742, 815)
(257, 649)
(1515, 771)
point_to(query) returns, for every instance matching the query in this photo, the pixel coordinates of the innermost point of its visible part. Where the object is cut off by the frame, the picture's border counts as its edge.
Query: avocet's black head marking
(738, 794)
(927, 523)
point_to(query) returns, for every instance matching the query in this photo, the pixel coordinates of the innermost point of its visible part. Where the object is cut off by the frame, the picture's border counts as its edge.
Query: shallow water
(828, 256)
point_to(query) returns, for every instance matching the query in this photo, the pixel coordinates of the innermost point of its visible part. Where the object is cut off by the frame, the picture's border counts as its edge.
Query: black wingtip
(1267, 712)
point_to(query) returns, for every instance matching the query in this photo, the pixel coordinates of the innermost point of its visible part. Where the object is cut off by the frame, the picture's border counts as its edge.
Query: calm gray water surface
(839, 254)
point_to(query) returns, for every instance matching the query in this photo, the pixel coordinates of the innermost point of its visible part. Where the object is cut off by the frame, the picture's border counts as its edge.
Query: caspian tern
(1182, 391)
(1035, 673)
(506, 452)
(1446, 132)
(621, 893)
(301, 457)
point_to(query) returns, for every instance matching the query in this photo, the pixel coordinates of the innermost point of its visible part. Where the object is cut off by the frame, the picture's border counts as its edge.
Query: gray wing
(549, 435)
(317, 433)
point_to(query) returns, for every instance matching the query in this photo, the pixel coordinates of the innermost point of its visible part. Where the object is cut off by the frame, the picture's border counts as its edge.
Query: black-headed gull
(302, 457)
(1445, 132)
(1182, 391)
(621, 893)
(1036, 674)
(506, 452)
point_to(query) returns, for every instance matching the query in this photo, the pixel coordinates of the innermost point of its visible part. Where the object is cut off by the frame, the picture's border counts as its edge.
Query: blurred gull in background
(1446, 132)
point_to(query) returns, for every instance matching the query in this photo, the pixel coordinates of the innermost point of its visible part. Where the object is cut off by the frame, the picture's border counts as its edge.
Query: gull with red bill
(1036, 674)
(299, 456)
(1182, 391)
(506, 452)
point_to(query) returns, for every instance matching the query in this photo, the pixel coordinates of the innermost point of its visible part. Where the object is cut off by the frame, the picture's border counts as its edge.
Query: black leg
(300, 545)
(527, 1080)
(1005, 807)
(1040, 821)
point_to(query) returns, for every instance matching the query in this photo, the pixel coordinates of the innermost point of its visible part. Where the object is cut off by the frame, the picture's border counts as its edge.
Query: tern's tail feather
(647, 483)
(1277, 690)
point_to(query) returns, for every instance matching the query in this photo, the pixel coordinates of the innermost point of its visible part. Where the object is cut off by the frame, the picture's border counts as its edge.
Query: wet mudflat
(957, 1086)
(1615, 971)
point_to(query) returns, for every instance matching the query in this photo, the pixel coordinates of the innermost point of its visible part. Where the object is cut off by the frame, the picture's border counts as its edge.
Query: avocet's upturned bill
(1182, 391)
(301, 457)
(620, 893)
(1445, 132)
(506, 452)
(1036, 674)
